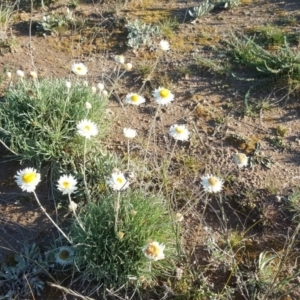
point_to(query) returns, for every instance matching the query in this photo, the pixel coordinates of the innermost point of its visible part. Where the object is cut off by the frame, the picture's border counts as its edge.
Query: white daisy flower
(100, 86)
(79, 69)
(164, 45)
(240, 159)
(179, 132)
(128, 66)
(8, 75)
(212, 184)
(104, 93)
(88, 105)
(163, 96)
(135, 99)
(67, 184)
(64, 256)
(129, 133)
(87, 128)
(28, 179)
(120, 59)
(118, 181)
(20, 73)
(154, 251)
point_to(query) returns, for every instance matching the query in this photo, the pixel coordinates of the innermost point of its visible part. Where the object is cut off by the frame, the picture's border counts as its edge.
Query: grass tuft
(115, 258)
(39, 118)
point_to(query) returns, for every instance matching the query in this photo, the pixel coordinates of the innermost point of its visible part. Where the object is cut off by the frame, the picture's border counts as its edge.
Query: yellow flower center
(241, 157)
(64, 254)
(79, 69)
(179, 130)
(133, 212)
(212, 181)
(66, 184)
(164, 93)
(29, 177)
(87, 128)
(120, 235)
(135, 98)
(119, 180)
(152, 250)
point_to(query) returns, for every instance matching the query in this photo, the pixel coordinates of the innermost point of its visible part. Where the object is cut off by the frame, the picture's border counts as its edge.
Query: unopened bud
(128, 66)
(88, 105)
(33, 74)
(20, 73)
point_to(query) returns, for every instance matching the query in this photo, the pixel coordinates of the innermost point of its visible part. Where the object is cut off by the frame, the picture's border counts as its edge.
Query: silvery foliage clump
(208, 5)
(51, 23)
(225, 3)
(25, 276)
(141, 34)
(201, 10)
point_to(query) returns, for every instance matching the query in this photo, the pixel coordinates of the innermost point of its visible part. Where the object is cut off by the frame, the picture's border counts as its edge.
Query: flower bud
(68, 84)
(20, 73)
(88, 105)
(128, 66)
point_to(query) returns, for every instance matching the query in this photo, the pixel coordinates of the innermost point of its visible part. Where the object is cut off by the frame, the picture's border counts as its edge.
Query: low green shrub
(38, 119)
(284, 62)
(115, 257)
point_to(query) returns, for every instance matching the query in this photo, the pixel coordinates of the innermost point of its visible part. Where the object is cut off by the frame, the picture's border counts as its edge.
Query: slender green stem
(222, 211)
(37, 87)
(12, 151)
(64, 110)
(205, 206)
(150, 74)
(83, 172)
(128, 154)
(116, 82)
(48, 216)
(171, 154)
(87, 113)
(165, 169)
(74, 212)
(152, 127)
(150, 266)
(117, 208)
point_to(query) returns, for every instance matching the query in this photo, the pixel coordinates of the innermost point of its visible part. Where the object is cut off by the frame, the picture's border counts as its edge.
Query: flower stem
(150, 74)
(221, 205)
(74, 212)
(64, 111)
(12, 151)
(48, 216)
(150, 266)
(118, 77)
(117, 208)
(171, 154)
(152, 127)
(165, 169)
(205, 205)
(83, 171)
(128, 154)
